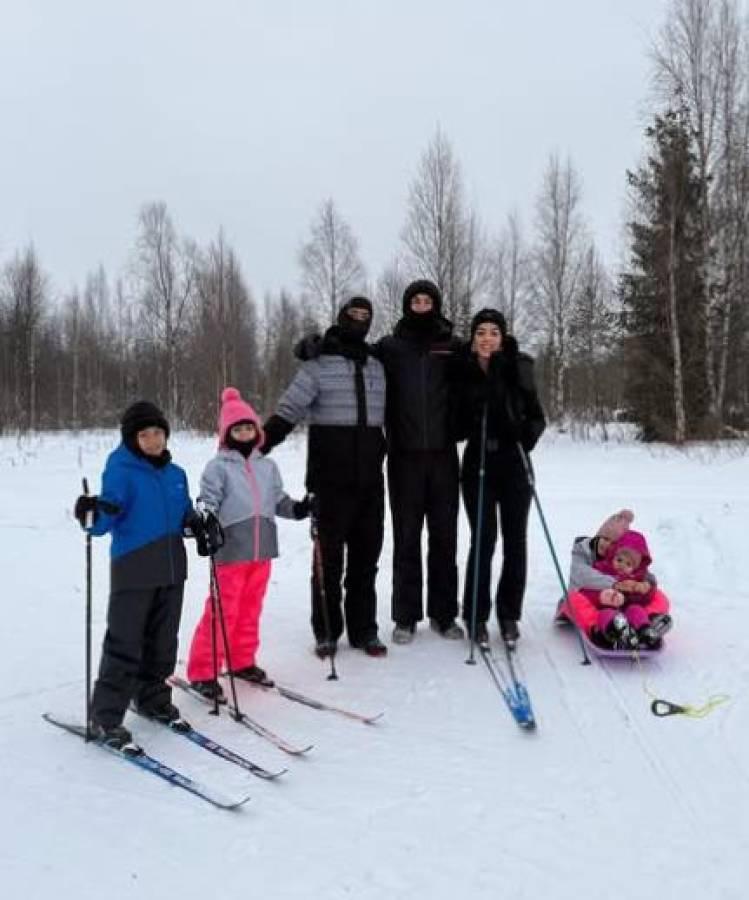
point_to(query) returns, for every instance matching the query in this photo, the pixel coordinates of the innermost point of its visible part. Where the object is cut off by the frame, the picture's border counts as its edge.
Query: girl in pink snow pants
(244, 490)
(588, 576)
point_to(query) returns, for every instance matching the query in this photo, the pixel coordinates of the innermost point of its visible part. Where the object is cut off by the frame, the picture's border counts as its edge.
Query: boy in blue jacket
(145, 505)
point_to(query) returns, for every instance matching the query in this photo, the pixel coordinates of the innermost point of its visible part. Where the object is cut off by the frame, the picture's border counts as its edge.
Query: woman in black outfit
(494, 379)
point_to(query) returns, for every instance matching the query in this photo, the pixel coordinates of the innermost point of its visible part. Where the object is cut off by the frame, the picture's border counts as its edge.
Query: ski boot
(255, 675)
(481, 637)
(165, 714)
(211, 690)
(115, 736)
(509, 631)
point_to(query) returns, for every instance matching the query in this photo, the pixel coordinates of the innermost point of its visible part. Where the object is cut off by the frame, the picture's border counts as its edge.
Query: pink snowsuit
(245, 494)
(589, 577)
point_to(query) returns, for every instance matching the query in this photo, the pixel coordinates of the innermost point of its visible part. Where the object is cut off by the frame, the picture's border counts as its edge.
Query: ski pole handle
(89, 520)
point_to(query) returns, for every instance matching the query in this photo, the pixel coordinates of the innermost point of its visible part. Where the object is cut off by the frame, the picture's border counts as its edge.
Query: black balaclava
(243, 447)
(137, 417)
(352, 329)
(422, 322)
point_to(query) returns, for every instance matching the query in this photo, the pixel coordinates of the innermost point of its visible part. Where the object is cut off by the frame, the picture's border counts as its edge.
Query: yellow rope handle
(662, 708)
(699, 712)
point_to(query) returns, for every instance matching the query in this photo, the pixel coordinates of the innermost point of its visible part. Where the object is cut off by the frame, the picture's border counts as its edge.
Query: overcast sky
(249, 114)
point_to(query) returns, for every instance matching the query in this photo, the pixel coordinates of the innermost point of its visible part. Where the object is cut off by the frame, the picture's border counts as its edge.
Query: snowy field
(446, 797)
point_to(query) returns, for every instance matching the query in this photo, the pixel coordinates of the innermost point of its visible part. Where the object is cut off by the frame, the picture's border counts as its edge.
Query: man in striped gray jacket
(340, 391)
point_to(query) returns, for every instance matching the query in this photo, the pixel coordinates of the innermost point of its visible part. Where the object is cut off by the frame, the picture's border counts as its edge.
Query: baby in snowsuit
(598, 588)
(622, 608)
(244, 490)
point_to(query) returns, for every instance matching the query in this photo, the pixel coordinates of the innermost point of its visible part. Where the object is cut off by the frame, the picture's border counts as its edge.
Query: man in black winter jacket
(422, 462)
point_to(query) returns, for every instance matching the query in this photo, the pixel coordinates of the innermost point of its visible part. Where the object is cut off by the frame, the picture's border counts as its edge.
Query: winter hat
(422, 287)
(615, 526)
(233, 411)
(140, 415)
(635, 541)
(354, 303)
(489, 314)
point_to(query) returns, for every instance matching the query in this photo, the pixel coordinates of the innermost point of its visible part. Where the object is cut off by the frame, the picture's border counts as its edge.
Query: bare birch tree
(388, 298)
(222, 333)
(510, 273)
(444, 241)
(558, 257)
(331, 267)
(165, 271)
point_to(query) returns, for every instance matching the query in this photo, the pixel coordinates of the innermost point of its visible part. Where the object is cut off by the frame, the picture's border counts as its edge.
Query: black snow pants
(350, 524)
(423, 485)
(139, 651)
(505, 488)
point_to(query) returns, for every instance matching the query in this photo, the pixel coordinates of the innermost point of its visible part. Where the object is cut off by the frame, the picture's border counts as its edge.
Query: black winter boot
(482, 633)
(372, 646)
(621, 634)
(166, 713)
(324, 649)
(115, 736)
(255, 675)
(509, 631)
(211, 690)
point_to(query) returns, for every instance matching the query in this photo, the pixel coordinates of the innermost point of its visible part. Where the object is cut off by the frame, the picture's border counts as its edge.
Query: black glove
(207, 531)
(276, 430)
(303, 507)
(87, 505)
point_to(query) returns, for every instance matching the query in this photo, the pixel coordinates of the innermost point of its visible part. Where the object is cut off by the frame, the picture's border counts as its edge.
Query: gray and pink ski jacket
(246, 495)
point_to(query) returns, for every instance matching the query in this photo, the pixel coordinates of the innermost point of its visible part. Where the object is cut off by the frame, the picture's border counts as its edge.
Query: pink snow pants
(585, 614)
(242, 586)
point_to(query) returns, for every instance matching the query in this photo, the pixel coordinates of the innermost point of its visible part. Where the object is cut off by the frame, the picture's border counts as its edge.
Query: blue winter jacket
(147, 546)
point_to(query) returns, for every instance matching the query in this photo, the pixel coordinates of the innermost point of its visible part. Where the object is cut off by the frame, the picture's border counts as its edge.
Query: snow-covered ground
(444, 798)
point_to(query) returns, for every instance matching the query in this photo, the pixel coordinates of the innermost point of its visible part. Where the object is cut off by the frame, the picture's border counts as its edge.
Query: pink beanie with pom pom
(234, 410)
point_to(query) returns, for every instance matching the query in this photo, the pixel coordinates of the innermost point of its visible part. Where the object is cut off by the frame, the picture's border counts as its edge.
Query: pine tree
(662, 293)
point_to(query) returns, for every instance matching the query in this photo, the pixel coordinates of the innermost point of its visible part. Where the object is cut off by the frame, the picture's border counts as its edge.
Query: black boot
(324, 648)
(661, 623)
(481, 636)
(115, 736)
(509, 631)
(372, 646)
(621, 634)
(600, 639)
(255, 675)
(211, 690)
(648, 638)
(166, 713)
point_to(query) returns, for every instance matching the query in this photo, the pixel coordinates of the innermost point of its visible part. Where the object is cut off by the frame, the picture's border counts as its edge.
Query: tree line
(661, 340)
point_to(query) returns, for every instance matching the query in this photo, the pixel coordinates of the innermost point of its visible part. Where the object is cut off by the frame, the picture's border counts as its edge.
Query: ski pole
(216, 594)
(214, 641)
(550, 543)
(89, 521)
(477, 537)
(319, 574)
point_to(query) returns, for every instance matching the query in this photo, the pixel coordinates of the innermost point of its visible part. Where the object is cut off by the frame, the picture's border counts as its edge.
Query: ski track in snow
(445, 796)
